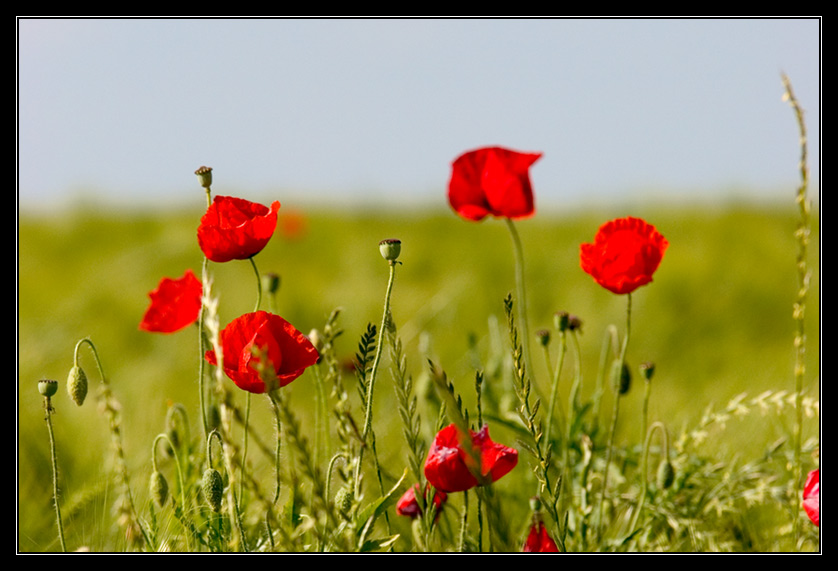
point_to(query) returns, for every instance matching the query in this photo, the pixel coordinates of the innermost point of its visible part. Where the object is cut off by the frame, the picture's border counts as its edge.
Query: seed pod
(204, 175)
(158, 488)
(213, 487)
(47, 387)
(77, 385)
(390, 249)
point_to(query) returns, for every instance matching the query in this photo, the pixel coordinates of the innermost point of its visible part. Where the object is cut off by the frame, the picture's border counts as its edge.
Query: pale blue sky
(312, 109)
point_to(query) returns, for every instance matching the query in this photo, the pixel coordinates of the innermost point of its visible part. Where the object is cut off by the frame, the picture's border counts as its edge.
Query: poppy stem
(522, 294)
(644, 470)
(554, 401)
(202, 348)
(617, 371)
(258, 284)
(371, 383)
(54, 459)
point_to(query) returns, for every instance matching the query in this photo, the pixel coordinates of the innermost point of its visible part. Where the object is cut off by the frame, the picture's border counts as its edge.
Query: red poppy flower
(288, 351)
(450, 468)
(492, 180)
(624, 255)
(174, 304)
(409, 506)
(812, 497)
(539, 541)
(235, 229)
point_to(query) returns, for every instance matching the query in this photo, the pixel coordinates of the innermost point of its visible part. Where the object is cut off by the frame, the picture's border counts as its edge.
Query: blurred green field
(716, 321)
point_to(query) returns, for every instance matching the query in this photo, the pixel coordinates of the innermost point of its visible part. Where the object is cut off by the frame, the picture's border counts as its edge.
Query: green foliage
(717, 322)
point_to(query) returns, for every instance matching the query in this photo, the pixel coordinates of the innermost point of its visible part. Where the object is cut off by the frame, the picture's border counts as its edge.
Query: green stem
(644, 470)
(258, 284)
(522, 294)
(617, 371)
(179, 474)
(202, 350)
(371, 383)
(111, 407)
(554, 400)
(275, 405)
(48, 408)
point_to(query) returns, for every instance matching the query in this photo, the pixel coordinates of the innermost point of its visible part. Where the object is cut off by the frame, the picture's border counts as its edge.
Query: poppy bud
(574, 323)
(204, 175)
(622, 377)
(344, 498)
(390, 249)
(213, 487)
(77, 385)
(647, 370)
(47, 387)
(666, 474)
(270, 283)
(561, 320)
(543, 337)
(158, 488)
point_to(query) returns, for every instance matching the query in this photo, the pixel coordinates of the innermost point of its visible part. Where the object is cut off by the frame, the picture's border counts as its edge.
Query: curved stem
(665, 453)
(258, 284)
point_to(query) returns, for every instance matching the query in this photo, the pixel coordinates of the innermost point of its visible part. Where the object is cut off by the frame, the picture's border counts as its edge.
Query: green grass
(716, 321)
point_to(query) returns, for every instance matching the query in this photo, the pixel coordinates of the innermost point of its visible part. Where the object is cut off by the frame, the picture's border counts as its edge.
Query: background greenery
(717, 321)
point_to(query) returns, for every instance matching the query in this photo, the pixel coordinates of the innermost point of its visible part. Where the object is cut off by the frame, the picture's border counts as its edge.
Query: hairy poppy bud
(344, 498)
(158, 488)
(622, 377)
(204, 175)
(77, 385)
(543, 337)
(47, 387)
(213, 487)
(666, 474)
(390, 249)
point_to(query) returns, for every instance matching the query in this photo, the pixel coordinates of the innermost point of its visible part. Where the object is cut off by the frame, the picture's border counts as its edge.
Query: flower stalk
(47, 388)
(390, 254)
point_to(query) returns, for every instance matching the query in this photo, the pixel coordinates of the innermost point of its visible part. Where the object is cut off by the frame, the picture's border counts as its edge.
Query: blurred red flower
(293, 225)
(539, 541)
(174, 304)
(409, 506)
(288, 351)
(492, 180)
(235, 229)
(812, 497)
(451, 468)
(624, 255)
